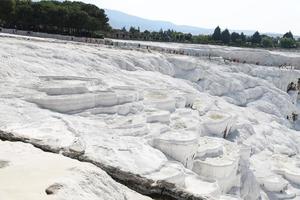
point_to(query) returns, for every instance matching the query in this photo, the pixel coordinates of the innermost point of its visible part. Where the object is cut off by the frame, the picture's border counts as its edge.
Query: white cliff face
(211, 128)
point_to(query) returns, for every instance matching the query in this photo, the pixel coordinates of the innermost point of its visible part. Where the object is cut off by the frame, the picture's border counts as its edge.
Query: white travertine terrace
(180, 146)
(211, 127)
(217, 160)
(217, 123)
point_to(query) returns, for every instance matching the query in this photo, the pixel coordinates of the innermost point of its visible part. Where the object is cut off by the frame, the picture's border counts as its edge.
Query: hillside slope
(119, 20)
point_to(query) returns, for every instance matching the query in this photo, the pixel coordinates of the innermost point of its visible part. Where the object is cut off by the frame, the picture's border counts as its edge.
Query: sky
(275, 16)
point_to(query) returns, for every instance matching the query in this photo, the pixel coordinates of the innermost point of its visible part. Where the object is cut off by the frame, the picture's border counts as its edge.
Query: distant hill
(119, 20)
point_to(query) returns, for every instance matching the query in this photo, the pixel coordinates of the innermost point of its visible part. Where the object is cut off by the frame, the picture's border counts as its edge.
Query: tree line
(81, 19)
(71, 18)
(218, 37)
(256, 40)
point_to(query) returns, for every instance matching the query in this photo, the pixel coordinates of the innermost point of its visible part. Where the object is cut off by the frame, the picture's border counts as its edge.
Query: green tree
(202, 39)
(267, 42)
(54, 16)
(188, 37)
(256, 38)
(24, 16)
(288, 43)
(134, 32)
(226, 36)
(7, 9)
(216, 36)
(288, 35)
(234, 37)
(243, 37)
